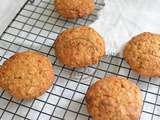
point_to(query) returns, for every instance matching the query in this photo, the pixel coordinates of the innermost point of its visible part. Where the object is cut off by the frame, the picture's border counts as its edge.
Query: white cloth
(120, 20)
(8, 9)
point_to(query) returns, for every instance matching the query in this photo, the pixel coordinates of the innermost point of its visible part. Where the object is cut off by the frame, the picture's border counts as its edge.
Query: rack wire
(35, 27)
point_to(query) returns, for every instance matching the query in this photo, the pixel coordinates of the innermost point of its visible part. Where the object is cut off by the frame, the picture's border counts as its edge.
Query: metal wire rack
(35, 27)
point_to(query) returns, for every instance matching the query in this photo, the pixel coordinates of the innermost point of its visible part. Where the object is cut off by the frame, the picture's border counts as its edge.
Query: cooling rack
(35, 27)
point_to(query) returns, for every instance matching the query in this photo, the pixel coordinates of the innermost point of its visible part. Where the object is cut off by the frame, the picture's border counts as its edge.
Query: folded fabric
(120, 20)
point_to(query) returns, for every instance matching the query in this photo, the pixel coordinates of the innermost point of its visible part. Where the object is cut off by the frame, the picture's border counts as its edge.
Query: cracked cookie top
(72, 9)
(142, 53)
(79, 47)
(114, 98)
(26, 75)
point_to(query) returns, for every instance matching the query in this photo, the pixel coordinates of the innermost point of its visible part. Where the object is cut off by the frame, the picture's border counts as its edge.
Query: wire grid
(36, 27)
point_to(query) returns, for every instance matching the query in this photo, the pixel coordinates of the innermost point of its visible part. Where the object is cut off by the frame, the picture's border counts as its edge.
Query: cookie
(114, 98)
(26, 75)
(72, 9)
(142, 53)
(79, 47)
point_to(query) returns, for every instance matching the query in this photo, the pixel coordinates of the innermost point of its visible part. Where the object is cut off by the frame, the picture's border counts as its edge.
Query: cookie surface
(26, 75)
(72, 9)
(79, 47)
(142, 53)
(114, 98)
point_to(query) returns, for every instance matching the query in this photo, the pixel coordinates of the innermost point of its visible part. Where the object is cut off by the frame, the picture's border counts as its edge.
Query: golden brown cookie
(114, 98)
(26, 75)
(79, 47)
(72, 9)
(142, 53)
